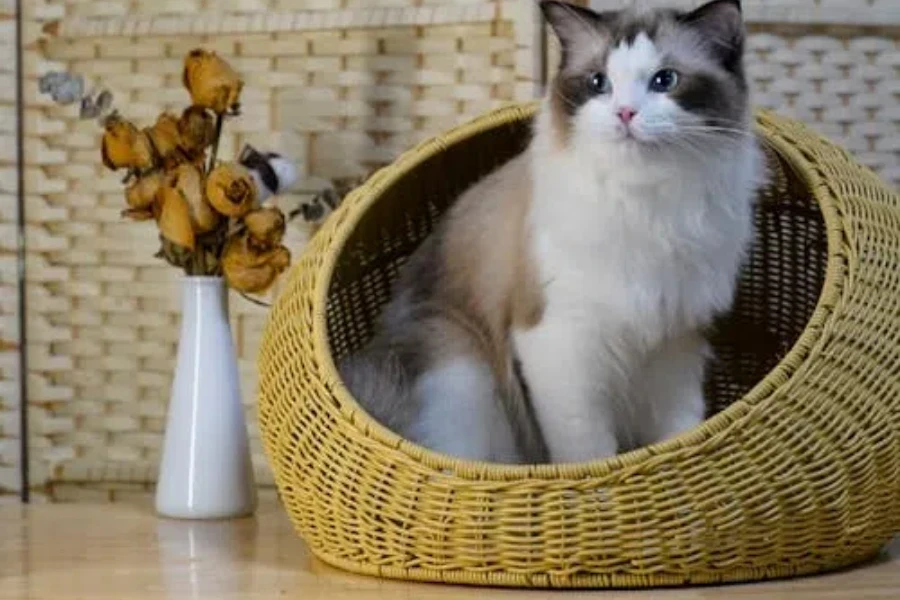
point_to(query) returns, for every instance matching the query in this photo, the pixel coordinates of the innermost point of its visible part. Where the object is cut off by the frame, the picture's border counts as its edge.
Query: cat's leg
(460, 413)
(668, 392)
(571, 398)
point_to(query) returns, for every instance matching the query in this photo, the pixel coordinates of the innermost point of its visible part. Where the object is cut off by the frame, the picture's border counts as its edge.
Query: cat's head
(657, 78)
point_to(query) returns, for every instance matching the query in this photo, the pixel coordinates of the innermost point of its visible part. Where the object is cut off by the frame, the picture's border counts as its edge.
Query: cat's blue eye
(664, 81)
(600, 83)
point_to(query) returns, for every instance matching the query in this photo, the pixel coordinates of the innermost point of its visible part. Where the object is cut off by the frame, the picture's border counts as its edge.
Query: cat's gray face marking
(652, 76)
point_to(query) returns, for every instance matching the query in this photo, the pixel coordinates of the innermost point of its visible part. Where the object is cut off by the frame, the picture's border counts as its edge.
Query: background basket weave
(341, 85)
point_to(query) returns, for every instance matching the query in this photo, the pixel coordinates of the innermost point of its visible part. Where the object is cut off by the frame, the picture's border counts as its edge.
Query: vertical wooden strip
(20, 192)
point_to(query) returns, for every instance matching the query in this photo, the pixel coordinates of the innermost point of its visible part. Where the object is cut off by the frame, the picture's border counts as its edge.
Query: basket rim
(344, 220)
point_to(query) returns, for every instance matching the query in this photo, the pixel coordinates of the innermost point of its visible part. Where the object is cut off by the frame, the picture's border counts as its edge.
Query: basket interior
(777, 293)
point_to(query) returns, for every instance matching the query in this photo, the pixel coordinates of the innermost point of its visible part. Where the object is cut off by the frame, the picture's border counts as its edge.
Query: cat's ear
(721, 23)
(573, 25)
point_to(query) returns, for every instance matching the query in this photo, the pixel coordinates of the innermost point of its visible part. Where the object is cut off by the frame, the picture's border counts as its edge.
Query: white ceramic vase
(205, 471)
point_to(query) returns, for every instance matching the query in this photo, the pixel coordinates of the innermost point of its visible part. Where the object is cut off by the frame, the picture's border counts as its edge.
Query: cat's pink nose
(627, 114)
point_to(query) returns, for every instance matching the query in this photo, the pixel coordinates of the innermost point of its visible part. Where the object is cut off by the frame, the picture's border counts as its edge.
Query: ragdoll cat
(556, 313)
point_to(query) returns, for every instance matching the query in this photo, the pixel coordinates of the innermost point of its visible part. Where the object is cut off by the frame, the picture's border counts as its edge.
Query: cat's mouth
(629, 135)
(639, 138)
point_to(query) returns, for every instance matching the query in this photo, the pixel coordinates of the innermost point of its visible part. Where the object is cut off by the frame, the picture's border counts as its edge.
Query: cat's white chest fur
(632, 264)
(660, 249)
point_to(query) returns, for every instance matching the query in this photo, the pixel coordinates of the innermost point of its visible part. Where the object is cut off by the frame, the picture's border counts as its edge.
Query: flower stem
(220, 119)
(254, 300)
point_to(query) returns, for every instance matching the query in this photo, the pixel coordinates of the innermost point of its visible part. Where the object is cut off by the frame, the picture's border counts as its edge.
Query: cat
(557, 313)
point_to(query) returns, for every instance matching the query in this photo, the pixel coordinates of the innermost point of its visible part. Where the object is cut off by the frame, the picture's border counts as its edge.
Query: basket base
(607, 581)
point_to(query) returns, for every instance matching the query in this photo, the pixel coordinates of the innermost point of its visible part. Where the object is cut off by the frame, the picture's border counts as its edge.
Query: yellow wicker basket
(796, 470)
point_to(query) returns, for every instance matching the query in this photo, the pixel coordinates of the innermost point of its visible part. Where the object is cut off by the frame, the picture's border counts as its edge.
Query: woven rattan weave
(796, 471)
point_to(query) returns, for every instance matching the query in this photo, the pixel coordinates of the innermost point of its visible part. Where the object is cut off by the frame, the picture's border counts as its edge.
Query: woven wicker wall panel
(9, 326)
(803, 12)
(847, 89)
(343, 86)
(103, 318)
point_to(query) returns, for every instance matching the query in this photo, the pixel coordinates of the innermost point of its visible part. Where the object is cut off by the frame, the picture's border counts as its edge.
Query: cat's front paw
(678, 422)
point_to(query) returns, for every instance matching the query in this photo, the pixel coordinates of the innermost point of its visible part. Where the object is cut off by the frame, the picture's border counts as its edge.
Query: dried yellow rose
(165, 138)
(142, 193)
(265, 226)
(211, 81)
(197, 128)
(231, 190)
(124, 146)
(249, 270)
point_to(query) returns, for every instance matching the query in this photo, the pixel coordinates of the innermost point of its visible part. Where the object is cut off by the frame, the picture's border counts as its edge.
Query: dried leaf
(187, 181)
(93, 108)
(138, 214)
(104, 101)
(51, 28)
(173, 254)
(175, 218)
(64, 88)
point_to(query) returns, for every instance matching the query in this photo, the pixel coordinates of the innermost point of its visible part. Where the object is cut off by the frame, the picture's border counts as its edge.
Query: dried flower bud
(165, 137)
(186, 181)
(211, 81)
(125, 146)
(142, 193)
(251, 271)
(231, 190)
(95, 108)
(175, 219)
(265, 226)
(197, 128)
(272, 172)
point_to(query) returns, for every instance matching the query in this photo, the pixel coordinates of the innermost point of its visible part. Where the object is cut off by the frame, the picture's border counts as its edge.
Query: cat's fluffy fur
(557, 311)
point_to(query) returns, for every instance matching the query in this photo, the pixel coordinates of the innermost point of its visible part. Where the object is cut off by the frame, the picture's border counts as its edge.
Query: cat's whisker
(721, 120)
(675, 138)
(714, 128)
(720, 132)
(565, 98)
(686, 145)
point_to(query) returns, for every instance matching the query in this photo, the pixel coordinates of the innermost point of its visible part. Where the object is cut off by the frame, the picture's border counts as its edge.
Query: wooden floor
(124, 552)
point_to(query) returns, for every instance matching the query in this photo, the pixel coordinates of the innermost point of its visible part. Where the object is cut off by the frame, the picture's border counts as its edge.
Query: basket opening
(778, 290)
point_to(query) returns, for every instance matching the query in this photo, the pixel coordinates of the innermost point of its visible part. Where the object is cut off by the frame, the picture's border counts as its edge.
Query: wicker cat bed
(797, 469)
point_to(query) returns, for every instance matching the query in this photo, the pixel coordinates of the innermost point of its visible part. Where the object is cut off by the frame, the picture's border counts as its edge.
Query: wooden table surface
(125, 552)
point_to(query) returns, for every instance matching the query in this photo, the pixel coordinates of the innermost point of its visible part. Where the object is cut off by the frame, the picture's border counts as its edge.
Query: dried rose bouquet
(210, 214)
